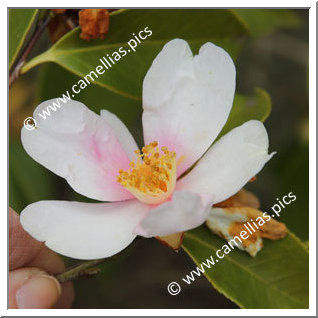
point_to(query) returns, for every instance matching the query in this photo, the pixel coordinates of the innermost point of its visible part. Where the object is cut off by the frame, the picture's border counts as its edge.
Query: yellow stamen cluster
(152, 175)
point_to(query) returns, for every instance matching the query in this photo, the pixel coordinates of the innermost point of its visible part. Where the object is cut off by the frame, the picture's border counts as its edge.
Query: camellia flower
(186, 102)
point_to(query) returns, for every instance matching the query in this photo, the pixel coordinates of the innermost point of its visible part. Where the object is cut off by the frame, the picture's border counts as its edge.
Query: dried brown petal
(241, 198)
(94, 23)
(273, 230)
(236, 228)
(173, 241)
(229, 222)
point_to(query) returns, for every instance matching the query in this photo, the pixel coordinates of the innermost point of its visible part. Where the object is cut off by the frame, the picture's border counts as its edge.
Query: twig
(83, 269)
(15, 73)
(87, 268)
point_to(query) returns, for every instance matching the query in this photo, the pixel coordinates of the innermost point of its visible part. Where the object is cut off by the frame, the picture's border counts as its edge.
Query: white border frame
(312, 165)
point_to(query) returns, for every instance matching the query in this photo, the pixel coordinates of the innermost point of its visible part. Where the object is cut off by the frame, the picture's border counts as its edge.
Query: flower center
(152, 176)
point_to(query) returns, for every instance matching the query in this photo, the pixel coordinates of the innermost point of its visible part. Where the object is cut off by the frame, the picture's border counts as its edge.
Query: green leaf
(262, 21)
(20, 23)
(222, 27)
(28, 181)
(276, 278)
(248, 107)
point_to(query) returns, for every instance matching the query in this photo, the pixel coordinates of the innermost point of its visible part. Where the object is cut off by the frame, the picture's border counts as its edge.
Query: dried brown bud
(94, 23)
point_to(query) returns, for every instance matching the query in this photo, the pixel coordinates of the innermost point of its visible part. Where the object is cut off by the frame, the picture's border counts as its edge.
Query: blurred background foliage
(270, 49)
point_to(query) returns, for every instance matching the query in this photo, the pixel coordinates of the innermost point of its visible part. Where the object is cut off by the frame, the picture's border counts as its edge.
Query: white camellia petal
(230, 163)
(184, 212)
(83, 230)
(123, 134)
(187, 99)
(80, 146)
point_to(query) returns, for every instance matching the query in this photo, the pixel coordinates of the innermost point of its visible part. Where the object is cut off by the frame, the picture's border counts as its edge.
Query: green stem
(79, 270)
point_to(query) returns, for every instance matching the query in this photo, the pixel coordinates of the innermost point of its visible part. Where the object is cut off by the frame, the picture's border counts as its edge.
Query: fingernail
(41, 291)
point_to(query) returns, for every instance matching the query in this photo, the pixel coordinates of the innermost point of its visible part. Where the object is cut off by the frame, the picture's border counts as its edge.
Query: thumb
(30, 287)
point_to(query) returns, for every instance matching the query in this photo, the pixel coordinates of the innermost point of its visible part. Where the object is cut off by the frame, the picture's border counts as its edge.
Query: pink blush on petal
(96, 150)
(110, 157)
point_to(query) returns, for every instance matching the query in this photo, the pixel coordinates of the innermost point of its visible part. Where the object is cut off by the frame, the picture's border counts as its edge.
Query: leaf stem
(15, 73)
